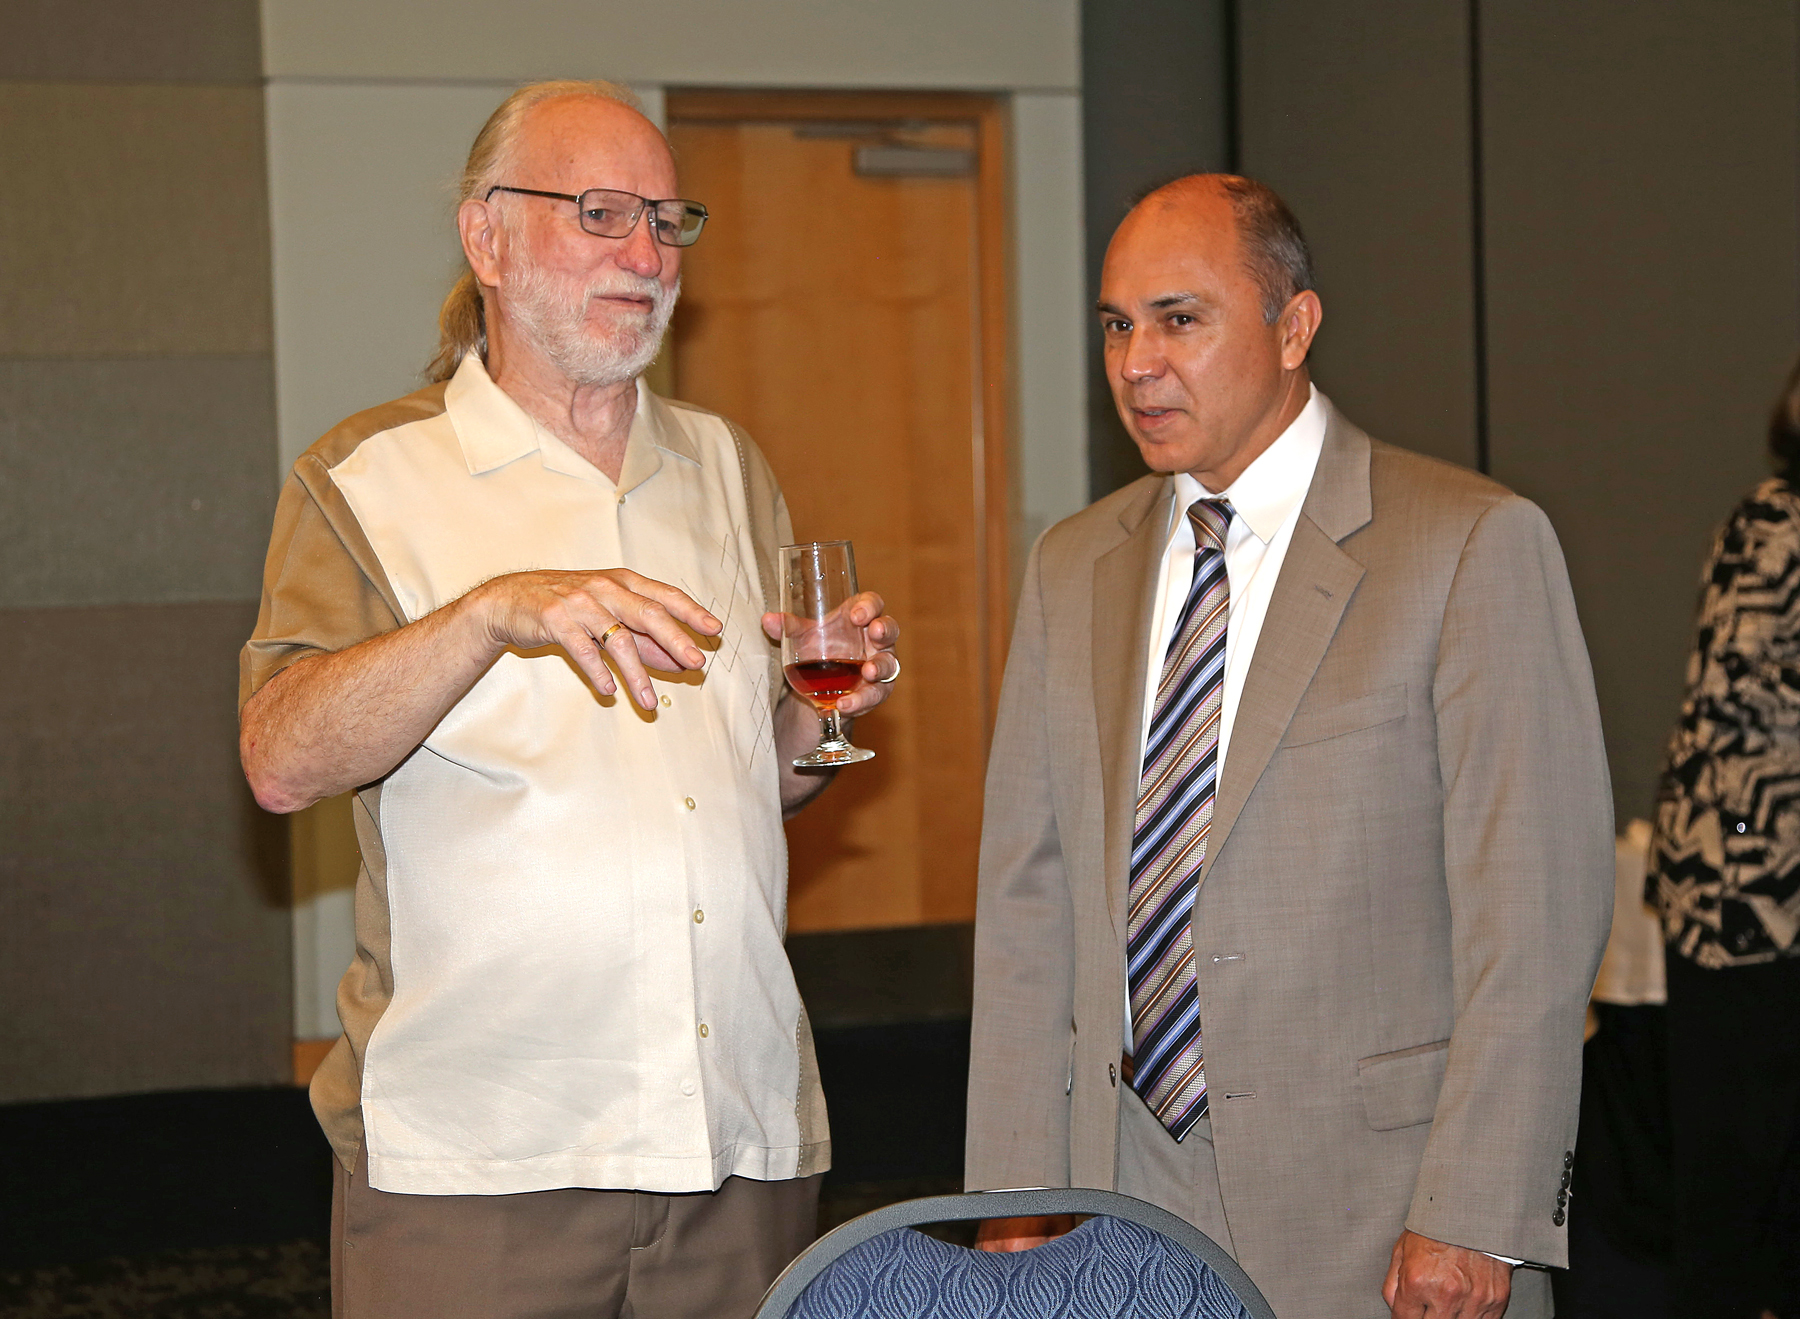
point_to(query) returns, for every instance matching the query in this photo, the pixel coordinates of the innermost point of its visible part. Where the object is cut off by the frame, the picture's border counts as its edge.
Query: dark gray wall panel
(135, 481)
(144, 940)
(134, 219)
(1156, 103)
(131, 40)
(1359, 116)
(1641, 238)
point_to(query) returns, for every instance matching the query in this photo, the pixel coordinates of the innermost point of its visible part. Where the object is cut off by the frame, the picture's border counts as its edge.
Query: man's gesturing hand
(1427, 1279)
(575, 610)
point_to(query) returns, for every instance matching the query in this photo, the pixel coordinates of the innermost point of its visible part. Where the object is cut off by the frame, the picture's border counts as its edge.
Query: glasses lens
(678, 223)
(609, 214)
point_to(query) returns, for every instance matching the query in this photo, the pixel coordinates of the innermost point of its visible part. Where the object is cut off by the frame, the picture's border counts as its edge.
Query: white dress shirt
(1265, 502)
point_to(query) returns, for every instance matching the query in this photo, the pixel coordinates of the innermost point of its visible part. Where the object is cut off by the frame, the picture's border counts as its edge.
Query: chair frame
(1028, 1203)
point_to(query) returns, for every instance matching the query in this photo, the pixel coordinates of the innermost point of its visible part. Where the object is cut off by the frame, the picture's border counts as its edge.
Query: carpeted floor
(290, 1281)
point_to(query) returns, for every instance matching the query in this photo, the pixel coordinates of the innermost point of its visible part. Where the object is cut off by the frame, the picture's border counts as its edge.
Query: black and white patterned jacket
(1725, 863)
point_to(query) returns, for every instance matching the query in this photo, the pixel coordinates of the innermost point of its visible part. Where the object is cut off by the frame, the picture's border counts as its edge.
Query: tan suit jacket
(1408, 886)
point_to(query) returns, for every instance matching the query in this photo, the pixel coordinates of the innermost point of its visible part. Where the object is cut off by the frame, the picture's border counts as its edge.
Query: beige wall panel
(136, 481)
(1359, 116)
(772, 43)
(143, 930)
(134, 220)
(131, 40)
(361, 181)
(1642, 293)
(1050, 313)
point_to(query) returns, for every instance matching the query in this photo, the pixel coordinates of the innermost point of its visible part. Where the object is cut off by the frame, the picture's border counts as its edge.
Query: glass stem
(831, 731)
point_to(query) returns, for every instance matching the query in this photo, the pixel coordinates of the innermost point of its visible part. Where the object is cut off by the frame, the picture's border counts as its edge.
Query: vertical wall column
(1157, 103)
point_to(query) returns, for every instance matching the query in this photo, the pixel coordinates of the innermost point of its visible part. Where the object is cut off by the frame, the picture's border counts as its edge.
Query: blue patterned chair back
(1130, 1261)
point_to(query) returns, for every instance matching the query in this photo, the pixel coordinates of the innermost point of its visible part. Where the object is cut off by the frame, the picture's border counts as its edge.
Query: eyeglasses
(606, 213)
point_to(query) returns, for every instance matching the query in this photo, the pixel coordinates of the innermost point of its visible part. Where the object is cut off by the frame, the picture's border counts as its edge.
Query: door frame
(994, 447)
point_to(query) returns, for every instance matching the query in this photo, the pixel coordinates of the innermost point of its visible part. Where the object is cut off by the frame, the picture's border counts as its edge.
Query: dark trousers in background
(1734, 1110)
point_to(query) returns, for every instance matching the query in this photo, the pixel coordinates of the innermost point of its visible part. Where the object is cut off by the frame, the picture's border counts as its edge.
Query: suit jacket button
(1112, 1076)
(1559, 1218)
(1568, 1158)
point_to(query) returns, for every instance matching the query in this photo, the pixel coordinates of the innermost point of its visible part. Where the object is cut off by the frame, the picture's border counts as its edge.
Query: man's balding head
(1274, 249)
(1205, 344)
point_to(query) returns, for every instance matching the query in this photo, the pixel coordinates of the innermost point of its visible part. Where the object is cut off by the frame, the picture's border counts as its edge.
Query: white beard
(555, 317)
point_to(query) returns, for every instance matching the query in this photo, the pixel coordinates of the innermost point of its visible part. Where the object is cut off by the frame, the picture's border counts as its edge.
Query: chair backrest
(1129, 1259)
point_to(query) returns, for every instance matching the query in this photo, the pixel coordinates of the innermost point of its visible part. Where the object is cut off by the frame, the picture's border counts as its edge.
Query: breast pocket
(1352, 716)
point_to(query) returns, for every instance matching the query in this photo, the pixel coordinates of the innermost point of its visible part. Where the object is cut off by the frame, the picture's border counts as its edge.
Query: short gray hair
(1274, 248)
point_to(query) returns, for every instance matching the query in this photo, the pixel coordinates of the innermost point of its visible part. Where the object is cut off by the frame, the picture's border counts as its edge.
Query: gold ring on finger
(606, 636)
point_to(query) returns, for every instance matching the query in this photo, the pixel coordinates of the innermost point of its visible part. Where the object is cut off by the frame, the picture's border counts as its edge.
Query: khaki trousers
(568, 1254)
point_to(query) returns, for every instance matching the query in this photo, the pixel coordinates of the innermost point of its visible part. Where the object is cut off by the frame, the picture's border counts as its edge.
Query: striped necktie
(1174, 815)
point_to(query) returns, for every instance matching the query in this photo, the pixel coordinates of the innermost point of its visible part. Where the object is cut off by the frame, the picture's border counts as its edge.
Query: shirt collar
(1268, 491)
(494, 431)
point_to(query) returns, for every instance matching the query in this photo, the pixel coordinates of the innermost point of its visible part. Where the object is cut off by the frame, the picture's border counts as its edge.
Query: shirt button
(703, 1031)
(699, 916)
(687, 1087)
(621, 499)
(688, 802)
(667, 701)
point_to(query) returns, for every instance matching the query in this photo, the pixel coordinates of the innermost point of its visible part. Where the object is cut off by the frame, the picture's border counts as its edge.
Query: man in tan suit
(1297, 860)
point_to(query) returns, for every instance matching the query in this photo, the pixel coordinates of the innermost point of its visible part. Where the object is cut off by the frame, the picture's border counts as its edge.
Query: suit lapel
(1316, 582)
(1124, 592)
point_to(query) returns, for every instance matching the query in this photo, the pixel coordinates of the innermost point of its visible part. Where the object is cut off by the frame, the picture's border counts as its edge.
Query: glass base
(826, 756)
(834, 746)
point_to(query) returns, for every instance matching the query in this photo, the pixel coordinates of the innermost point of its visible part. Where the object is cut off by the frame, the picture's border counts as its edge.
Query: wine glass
(821, 649)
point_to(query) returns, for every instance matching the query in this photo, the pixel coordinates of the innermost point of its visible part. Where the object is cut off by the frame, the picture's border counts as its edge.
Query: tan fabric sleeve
(323, 588)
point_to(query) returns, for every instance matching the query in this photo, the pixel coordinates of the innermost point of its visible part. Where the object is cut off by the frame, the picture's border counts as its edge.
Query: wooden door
(844, 306)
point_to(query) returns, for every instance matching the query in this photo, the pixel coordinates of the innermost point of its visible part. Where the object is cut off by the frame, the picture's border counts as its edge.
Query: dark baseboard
(133, 1174)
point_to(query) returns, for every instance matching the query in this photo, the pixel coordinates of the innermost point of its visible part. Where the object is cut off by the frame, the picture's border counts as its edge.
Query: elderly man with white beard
(575, 1075)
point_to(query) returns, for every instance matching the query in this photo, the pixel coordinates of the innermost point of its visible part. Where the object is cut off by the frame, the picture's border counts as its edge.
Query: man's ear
(478, 225)
(1299, 323)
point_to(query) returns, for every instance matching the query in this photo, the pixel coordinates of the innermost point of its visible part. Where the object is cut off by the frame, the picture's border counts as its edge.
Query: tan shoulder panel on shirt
(323, 587)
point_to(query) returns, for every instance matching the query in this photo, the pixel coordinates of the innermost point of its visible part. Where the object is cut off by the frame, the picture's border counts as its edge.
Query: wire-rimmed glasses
(609, 213)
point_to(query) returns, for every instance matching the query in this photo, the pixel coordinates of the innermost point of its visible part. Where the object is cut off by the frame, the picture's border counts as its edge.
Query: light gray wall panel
(772, 43)
(1642, 290)
(1359, 116)
(134, 220)
(131, 40)
(134, 481)
(143, 936)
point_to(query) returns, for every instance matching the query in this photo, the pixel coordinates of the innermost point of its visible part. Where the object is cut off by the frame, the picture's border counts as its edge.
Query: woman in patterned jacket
(1725, 877)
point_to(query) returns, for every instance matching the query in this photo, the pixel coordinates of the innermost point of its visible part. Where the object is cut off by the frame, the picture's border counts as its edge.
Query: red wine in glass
(822, 651)
(823, 681)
